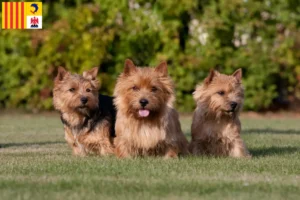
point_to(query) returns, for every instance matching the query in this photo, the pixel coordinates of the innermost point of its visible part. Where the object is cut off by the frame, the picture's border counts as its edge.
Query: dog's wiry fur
(89, 127)
(216, 126)
(153, 129)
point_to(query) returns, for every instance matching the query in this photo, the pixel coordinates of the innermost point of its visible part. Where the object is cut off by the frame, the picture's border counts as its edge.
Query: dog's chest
(216, 131)
(146, 136)
(80, 134)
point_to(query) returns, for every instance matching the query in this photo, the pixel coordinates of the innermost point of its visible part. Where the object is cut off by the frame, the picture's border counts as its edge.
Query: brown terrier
(216, 126)
(147, 124)
(88, 117)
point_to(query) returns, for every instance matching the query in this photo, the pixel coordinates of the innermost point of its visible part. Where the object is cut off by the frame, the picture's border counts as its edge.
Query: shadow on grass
(269, 151)
(29, 144)
(271, 131)
(262, 131)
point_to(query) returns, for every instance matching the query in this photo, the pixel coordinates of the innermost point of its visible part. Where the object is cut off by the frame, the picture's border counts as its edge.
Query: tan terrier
(88, 117)
(216, 126)
(147, 124)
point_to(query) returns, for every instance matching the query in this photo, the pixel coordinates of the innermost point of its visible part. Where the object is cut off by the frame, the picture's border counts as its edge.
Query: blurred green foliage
(261, 37)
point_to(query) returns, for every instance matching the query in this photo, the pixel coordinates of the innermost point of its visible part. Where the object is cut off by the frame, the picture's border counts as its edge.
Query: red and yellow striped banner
(16, 14)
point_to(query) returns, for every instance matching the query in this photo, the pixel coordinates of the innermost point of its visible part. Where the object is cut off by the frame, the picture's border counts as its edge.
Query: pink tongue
(144, 113)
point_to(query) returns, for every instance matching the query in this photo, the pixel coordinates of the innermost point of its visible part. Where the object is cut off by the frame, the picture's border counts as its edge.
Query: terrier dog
(88, 117)
(147, 124)
(216, 126)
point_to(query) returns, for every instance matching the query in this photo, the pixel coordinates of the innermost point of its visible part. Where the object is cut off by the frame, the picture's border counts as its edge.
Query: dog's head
(144, 92)
(221, 94)
(76, 93)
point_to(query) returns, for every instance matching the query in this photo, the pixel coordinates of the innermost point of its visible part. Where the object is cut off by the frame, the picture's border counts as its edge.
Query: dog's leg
(193, 148)
(72, 143)
(198, 147)
(122, 151)
(78, 151)
(239, 149)
(108, 149)
(98, 142)
(171, 152)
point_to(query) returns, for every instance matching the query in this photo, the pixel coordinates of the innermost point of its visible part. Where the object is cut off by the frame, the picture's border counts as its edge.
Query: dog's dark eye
(221, 93)
(88, 90)
(135, 88)
(154, 89)
(72, 89)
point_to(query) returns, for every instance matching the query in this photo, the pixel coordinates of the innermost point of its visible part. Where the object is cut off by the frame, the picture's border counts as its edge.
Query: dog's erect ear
(129, 67)
(238, 75)
(162, 68)
(91, 74)
(62, 72)
(211, 76)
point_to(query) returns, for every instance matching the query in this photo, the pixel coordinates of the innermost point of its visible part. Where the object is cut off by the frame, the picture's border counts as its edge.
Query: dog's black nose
(233, 105)
(84, 100)
(144, 102)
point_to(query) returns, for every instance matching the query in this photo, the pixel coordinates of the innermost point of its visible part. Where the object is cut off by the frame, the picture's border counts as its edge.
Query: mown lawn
(36, 163)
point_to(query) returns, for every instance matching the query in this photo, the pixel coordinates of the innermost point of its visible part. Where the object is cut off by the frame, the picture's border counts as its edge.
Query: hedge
(261, 37)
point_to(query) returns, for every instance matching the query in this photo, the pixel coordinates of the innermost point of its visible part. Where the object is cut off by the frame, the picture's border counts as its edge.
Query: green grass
(36, 163)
